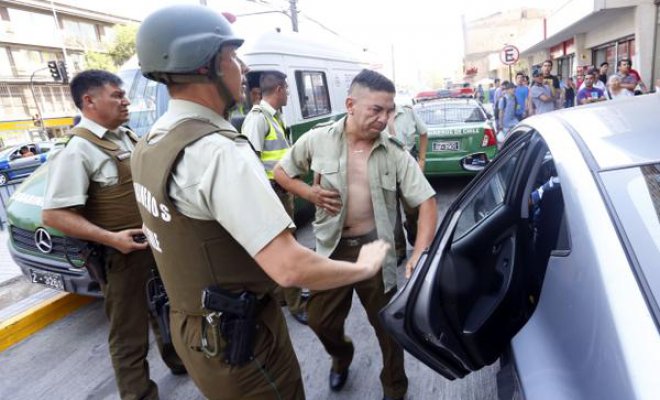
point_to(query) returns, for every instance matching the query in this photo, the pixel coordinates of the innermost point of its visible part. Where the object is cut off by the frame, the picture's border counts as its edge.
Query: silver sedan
(550, 257)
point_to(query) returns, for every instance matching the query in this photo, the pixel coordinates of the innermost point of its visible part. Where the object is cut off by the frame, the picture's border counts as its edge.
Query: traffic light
(63, 72)
(54, 70)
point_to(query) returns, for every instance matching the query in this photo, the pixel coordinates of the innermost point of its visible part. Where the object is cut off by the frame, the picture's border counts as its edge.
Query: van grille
(24, 240)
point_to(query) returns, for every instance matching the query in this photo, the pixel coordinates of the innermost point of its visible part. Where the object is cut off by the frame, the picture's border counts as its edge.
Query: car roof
(618, 133)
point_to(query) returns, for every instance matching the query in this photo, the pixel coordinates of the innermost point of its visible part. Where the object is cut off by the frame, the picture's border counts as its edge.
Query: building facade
(485, 38)
(585, 33)
(32, 33)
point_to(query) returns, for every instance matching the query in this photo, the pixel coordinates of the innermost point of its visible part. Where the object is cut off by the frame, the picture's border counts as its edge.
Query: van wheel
(3, 179)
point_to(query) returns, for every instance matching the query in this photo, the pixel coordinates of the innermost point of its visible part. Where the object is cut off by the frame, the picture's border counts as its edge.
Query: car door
(21, 166)
(471, 292)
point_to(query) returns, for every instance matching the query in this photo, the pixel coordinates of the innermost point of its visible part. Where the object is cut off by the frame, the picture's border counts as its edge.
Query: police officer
(358, 171)
(89, 195)
(407, 127)
(265, 128)
(213, 222)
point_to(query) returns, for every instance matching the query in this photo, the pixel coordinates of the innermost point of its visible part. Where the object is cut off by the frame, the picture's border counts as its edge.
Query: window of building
(31, 24)
(79, 33)
(313, 93)
(5, 63)
(614, 51)
(12, 102)
(27, 61)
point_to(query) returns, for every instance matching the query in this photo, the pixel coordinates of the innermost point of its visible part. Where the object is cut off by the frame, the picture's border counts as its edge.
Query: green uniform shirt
(324, 151)
(408, 126)
(72, 169)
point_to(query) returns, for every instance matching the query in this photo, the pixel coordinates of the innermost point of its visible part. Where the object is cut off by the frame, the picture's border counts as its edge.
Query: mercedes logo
(43, 241)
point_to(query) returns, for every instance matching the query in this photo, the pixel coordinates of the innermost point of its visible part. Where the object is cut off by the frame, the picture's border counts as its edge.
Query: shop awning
(591, 22)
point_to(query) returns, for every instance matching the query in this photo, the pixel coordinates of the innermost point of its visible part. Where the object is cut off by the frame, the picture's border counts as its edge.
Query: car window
(450, 113)
(487, 199)
(635, 196)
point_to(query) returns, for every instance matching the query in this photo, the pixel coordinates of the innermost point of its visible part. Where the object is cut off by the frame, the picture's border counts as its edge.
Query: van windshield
(146, 96)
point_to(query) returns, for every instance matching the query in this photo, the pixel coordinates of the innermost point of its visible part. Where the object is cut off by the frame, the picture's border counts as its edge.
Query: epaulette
(256, 108)
(323, 124)
(66, 138)
(396, 141)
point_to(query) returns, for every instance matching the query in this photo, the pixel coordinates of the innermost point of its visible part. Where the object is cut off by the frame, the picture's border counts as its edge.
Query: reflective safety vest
(275, 143)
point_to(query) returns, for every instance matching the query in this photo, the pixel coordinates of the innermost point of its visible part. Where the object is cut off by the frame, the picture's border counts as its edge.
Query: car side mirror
(474, 162)
(489, 115)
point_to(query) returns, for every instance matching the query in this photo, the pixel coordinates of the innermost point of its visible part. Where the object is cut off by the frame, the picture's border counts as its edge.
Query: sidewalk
(8, 268)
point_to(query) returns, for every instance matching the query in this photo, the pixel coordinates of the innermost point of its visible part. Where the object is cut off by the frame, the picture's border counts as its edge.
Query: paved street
(69, 359)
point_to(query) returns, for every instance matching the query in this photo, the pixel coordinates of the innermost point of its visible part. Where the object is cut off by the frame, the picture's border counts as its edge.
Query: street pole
(59, 31)
(510, 76)
(42, 128)
(294, 15)
(393, 68)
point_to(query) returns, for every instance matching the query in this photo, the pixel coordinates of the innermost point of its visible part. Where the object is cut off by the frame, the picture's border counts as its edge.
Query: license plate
(47, 278)
(446, 146)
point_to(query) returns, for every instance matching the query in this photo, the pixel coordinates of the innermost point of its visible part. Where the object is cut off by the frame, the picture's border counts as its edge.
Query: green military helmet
(182, 40)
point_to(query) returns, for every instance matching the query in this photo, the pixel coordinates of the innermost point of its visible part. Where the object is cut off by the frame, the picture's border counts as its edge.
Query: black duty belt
(358, 241)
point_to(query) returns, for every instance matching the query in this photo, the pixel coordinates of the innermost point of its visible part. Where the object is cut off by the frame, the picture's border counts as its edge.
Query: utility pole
(42, 128)
(293, 10)
(59, 31)
(393, 64)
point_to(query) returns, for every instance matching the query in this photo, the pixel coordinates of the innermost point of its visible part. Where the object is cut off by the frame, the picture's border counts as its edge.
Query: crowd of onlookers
(514, 101)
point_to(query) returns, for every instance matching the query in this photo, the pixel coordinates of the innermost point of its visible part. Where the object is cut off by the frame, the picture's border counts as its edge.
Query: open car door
(478, 284)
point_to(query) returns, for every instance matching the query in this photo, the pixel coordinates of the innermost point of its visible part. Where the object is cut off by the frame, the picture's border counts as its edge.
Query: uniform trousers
(327, 311)
(291, 296)
(411, 213)
(274, 374)
(125, 303)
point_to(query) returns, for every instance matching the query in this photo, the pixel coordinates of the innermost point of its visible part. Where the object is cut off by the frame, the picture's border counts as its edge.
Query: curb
(19, 327)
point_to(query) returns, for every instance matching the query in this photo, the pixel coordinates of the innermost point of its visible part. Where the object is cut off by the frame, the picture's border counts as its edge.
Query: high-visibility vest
(275, 144)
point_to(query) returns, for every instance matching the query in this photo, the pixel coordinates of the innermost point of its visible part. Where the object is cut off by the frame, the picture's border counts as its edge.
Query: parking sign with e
(509, 55)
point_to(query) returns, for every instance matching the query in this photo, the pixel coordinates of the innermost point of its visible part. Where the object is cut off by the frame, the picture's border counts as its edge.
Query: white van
(318, 73)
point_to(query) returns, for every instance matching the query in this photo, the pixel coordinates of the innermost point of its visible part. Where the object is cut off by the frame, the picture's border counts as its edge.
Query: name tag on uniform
(124, 155)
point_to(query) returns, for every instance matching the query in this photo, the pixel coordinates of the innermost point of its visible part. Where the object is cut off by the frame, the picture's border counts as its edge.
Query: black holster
(237, 324)
(415, 152)
(94, 256)
(159, 305)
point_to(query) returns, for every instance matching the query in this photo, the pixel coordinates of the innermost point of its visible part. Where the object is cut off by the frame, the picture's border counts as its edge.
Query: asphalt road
(69, 359)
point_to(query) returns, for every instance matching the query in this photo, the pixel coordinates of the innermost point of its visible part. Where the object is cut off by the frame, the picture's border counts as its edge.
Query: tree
(95, 60)
(121, 49)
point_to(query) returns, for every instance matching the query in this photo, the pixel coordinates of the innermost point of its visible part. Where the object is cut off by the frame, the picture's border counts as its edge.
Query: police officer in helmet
(219, 234)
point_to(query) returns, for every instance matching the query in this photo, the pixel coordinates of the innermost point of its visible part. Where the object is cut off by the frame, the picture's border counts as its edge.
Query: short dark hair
(549, 61)
(270, 80)
(84, 81)
(497, 80)
(629, 61)
(373, 81)
(604, 63)
(591, 72)
(519, 73)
